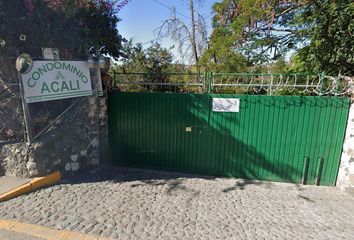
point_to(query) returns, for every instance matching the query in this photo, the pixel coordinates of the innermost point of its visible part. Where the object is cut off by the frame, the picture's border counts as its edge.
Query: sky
(141, 17)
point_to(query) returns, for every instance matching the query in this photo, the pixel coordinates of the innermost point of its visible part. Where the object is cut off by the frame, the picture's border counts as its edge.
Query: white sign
(50, 80)
(226, 104)
(51, 54)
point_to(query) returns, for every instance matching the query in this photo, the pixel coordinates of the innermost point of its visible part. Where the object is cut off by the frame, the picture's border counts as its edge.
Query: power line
(151, 41)
(170, 8)
(209, 16)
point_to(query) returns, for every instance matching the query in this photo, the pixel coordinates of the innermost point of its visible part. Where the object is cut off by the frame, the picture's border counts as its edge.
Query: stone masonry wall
(70, 145)
(11, 114)
(345, 178)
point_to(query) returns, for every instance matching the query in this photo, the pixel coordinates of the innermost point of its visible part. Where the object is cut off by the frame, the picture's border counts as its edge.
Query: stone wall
(345, 178)
(11, 115)
(71, 144)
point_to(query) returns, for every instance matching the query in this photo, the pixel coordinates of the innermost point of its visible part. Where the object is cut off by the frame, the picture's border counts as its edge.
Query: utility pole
(193, 39)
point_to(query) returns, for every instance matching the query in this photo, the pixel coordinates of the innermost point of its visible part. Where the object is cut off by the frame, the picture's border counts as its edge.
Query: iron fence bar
(321, 84)
(205, 90)
(264, 74)
(271, 85)
(257, 85)
(161, 84)
(270, 82)
(336, 87)
(210, 82)
(162, 74)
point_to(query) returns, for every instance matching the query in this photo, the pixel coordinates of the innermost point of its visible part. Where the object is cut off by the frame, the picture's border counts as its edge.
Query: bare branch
(180, 32)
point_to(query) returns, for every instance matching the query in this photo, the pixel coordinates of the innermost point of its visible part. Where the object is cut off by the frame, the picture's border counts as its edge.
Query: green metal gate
(277, 138)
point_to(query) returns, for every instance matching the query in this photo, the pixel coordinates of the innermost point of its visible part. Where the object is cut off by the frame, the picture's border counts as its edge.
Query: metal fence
(239, 83)
(159, 82)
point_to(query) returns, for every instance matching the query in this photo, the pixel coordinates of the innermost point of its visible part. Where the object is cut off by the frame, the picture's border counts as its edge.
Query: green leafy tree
(259, 30)
(320, 31)
(151, 63)
(154, 59)
(331, 36)
(219, 57)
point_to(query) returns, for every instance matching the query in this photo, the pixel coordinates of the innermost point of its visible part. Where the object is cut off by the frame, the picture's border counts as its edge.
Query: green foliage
(154, 59)
(280, 66)
(68, 24)
(255, 32)
(152, 62)
(331, 34)
(259, 30)
(219, 57)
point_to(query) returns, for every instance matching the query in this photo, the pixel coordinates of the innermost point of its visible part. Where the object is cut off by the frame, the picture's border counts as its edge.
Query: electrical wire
(172, 9)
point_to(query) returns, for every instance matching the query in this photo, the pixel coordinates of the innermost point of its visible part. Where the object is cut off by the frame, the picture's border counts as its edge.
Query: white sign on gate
(50, 80)
(226, 104)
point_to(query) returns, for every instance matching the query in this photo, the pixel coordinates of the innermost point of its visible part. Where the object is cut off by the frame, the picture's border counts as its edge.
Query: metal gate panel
(267, 139)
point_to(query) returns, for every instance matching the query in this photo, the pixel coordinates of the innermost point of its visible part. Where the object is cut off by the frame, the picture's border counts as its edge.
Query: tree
(261, 30)
(220, 56)
(149, 64)
(28, 25)
(331, 36)
(154, 59)
(191, 36)
(266, 30)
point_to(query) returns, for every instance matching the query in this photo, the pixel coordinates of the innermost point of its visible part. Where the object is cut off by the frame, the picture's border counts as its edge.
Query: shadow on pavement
(174, 182)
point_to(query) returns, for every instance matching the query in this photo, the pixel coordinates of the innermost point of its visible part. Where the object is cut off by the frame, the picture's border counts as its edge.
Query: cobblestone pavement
(132, 204)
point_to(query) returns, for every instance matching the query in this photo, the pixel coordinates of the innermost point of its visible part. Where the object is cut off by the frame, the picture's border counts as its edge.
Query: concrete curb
(32, 185)
(45, 232)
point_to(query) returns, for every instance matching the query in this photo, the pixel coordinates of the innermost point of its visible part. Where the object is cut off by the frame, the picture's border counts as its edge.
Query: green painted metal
(268, 139)
(305, 170)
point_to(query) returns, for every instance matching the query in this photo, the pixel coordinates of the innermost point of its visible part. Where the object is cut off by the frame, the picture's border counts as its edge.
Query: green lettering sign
(45, 88)
(50, 80)
(64, 86)
(54, 86)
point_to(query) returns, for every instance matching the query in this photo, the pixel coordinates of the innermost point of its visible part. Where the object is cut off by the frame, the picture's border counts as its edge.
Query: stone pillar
(69, 145)
(103, 116)
(345, 178)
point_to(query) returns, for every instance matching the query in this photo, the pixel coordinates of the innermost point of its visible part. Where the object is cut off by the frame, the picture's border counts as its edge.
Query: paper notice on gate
(226, 104)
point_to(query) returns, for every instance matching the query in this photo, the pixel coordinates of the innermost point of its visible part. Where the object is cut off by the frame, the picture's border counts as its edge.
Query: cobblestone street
(133, 204)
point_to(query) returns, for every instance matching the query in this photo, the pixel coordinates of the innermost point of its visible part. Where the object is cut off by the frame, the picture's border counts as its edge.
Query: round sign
(24, 63)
